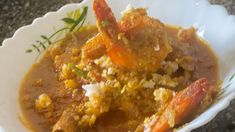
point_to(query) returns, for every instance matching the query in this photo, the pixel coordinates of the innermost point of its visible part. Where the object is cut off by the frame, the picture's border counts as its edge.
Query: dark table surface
(16, 13)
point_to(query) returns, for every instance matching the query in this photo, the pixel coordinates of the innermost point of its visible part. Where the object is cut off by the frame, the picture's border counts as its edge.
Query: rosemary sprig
(77, 71)
(74, 22)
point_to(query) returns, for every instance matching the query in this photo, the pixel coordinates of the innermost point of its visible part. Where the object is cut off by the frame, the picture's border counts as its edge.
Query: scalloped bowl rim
(188, 127)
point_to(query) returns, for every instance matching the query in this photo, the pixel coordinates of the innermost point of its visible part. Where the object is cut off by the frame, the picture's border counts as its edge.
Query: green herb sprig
(74, 23)
(77, 71)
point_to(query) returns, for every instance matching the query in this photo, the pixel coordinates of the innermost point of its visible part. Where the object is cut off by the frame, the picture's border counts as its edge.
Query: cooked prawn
(108, 27)
(126, 41)
(94, 48)
(181, 106)
(145, 34)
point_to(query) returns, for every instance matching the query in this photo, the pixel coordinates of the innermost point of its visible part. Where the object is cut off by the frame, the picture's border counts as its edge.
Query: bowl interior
(213, 24)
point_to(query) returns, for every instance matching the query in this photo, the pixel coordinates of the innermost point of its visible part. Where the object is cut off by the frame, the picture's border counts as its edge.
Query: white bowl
(213, 23)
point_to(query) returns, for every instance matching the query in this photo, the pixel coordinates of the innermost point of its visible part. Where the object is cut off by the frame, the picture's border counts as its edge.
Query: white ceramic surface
(213, 23)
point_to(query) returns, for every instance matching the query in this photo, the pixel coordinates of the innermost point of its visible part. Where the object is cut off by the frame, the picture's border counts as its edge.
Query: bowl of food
(156, 65)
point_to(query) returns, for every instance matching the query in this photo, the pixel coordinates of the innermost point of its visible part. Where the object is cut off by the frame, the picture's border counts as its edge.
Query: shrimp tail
(106, 22)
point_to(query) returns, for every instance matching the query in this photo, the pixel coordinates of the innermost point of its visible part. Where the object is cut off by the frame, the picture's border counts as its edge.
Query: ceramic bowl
(212, 21)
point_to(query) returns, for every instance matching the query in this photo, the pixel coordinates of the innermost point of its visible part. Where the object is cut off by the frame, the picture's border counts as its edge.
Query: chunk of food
(124, 72)
(186, 35)
(126, 41)
(145, 34)
(108, 27)
(43, 102)
(94, 48)
(66, 122)
(181, 106)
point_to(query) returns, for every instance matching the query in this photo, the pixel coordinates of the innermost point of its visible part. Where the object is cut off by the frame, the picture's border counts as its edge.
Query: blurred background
(17, 13)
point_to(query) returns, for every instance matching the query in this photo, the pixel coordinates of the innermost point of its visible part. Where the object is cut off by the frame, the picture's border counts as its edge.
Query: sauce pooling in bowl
(45, 77)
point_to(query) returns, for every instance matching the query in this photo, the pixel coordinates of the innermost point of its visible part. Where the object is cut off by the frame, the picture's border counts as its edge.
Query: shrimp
(94, 48)
(109, 28)
(136, 42)
(181, 106)
(148, 38)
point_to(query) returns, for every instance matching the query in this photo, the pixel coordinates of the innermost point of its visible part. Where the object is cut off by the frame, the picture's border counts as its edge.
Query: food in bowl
(137, 74)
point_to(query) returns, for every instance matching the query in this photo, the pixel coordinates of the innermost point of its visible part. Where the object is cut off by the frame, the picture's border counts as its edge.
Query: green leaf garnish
(68, 20)
(77, 71)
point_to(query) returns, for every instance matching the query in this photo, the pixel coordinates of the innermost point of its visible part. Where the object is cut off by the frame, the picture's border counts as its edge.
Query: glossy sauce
(205, 66)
